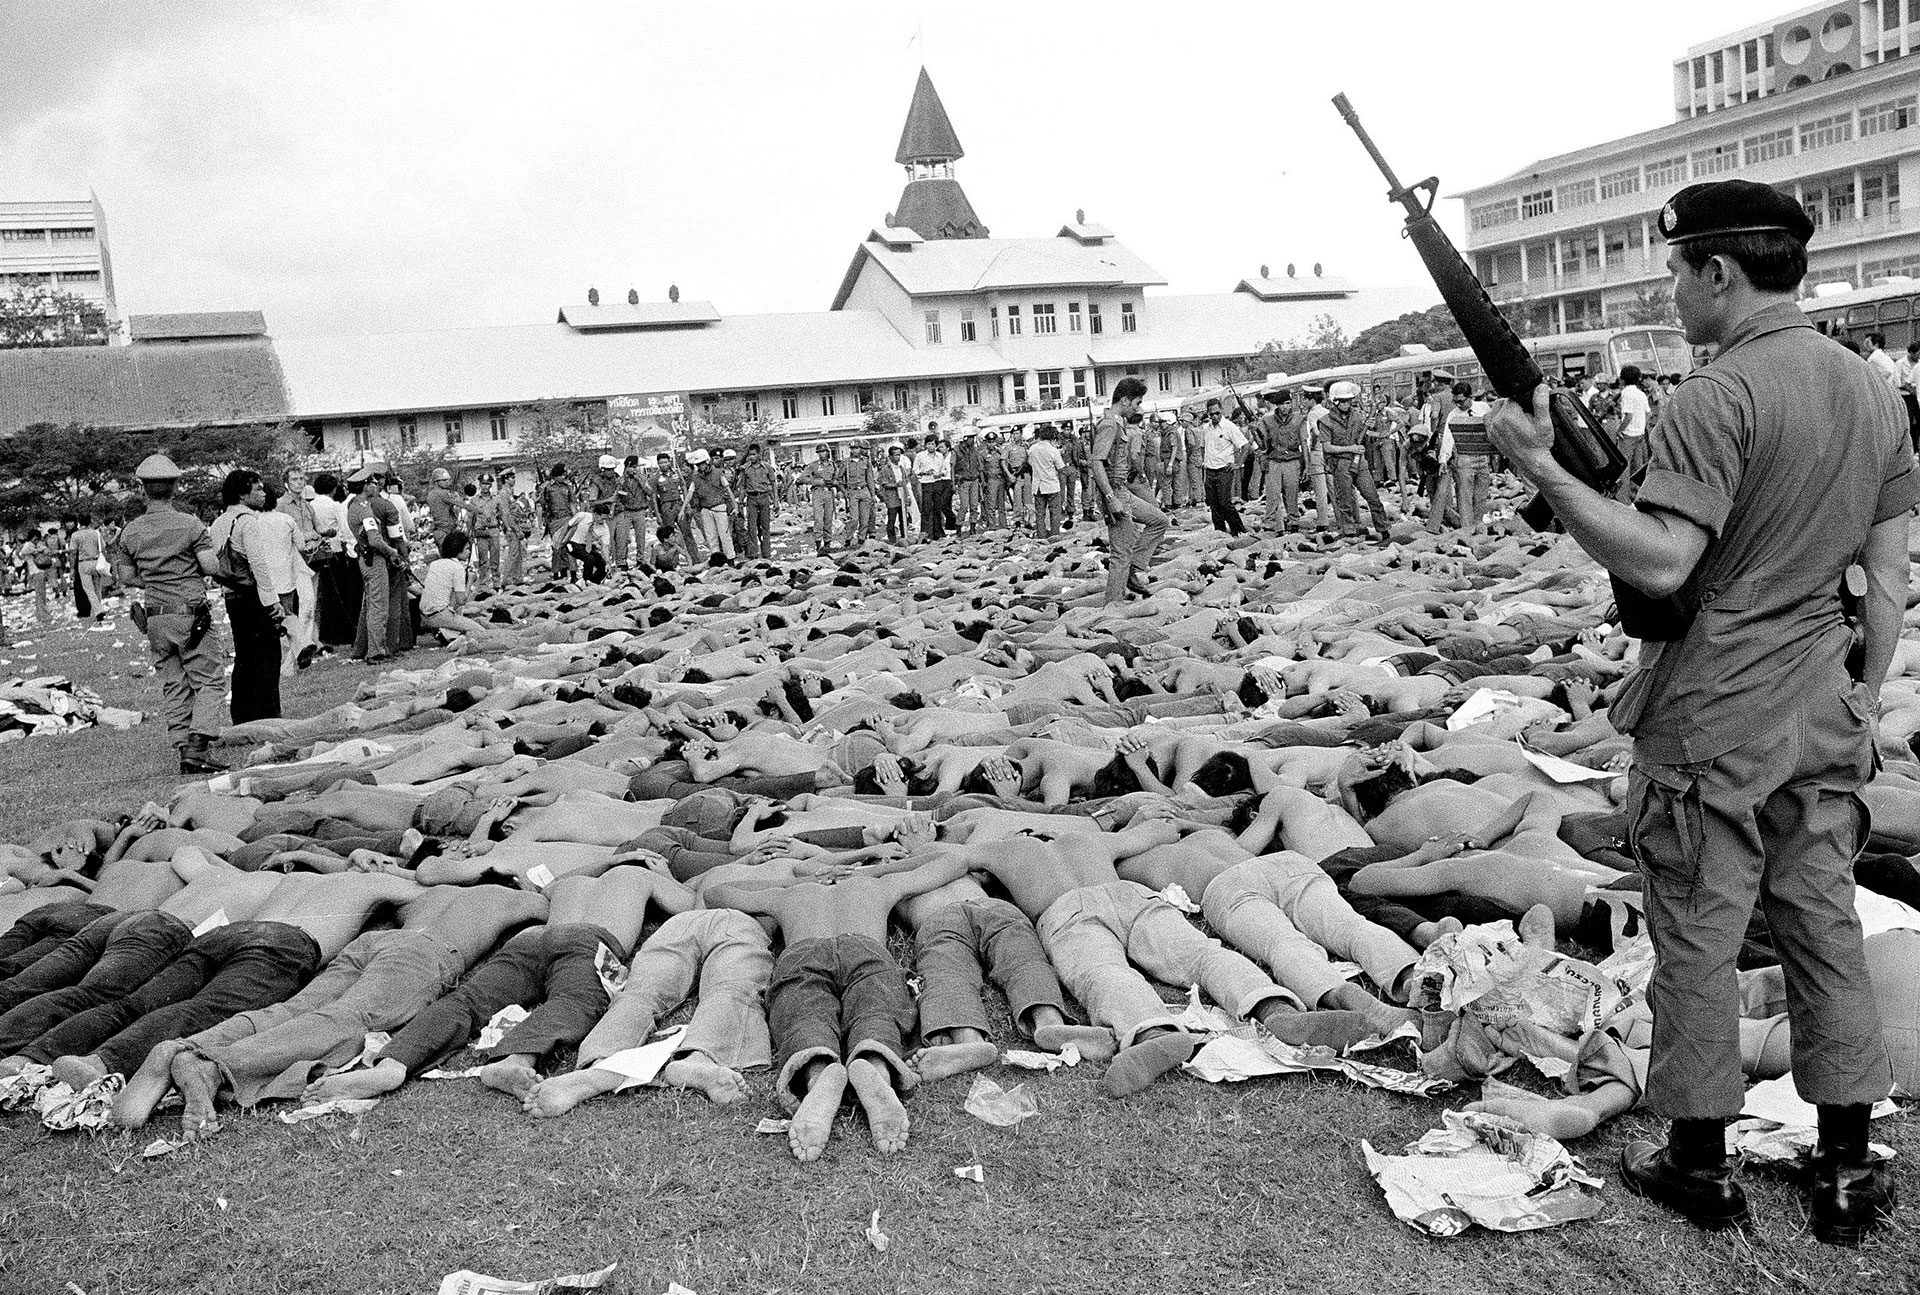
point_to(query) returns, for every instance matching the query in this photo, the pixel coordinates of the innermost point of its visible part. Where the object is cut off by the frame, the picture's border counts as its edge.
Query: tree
(1325, 334)
(49, 470)
(1652, 305)
(890, 423)
(555, 431)
(47, 316)
(1433, 328)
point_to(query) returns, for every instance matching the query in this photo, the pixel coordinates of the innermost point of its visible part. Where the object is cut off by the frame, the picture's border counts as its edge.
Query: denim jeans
(729, 954)
(842, 998)
(42, 930)
(950, 948)
(107, 959)
(1284, 912)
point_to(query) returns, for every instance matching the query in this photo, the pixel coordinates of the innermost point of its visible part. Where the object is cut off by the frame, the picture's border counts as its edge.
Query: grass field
(1187, 1188)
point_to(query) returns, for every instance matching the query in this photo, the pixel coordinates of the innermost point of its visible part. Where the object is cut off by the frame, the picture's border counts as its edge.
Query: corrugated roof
(928, 134)
(644, 314)
(491, 367)
(142, 386)
(956, 265)
(196, 324)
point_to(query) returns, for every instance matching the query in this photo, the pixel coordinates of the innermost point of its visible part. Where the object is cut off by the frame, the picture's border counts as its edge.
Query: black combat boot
(1690, 1175)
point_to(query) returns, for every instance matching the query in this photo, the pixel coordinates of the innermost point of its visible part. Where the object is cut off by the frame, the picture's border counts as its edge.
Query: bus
(1601, 353)
(1851, 314)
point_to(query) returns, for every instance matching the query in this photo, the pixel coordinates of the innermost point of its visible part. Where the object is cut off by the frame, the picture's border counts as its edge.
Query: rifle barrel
(1366, 140)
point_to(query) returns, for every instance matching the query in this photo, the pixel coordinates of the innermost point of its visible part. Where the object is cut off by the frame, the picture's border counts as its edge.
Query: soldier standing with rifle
(1769, 600)
(162, 559)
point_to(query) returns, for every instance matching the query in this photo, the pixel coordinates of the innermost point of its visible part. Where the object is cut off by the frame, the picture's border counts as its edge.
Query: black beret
(1732, 207)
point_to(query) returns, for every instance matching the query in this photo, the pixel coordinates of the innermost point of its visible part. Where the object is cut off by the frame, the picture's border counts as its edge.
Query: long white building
(1822, 102)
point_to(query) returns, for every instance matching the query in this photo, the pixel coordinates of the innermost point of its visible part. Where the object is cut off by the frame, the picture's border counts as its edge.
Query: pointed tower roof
(928, 134)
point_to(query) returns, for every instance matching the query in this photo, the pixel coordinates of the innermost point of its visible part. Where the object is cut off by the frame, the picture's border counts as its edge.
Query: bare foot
(1536, 928)
(886, 1117)
(1137, 1066)
(199, 1082)
(555, 1096)
(1450, 926)
(133, 1105)
(945, 1060)
(374, 1082)
(12, 1066)
(78, 1072)
(813, 1122)
(723, 1087)
(1094, 1042)
(510, 1076)
(1562, 1120)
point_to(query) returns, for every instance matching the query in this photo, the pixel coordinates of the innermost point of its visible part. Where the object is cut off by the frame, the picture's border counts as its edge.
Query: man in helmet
(443, 505)
(162, 559)
(1343, 442)
(556, 516)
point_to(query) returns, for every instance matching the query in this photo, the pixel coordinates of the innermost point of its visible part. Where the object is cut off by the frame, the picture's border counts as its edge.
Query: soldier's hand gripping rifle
(1580, 444)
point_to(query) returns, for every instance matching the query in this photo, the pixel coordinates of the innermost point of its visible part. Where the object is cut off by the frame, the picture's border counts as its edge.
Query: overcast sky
(351, 166)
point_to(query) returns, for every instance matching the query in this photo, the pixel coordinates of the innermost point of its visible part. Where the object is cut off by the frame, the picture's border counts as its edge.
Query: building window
(453, 426)
(966, 326)
(826, 402)
(23, 235)
(1166, 378)
(362, 433)
(863, 397)
(750, 406)
(1020, 388)
(1618, 184)
(789, 404)
(1093, 318)
(902, 396)
(1099, 382)
(497, 424)
(1129, 321)
(1878, 118)
(1712, 161)
(1538, 203)
(937, 394)
(709, 408)
(409, 431)
(81, 234)
(993, 318)
(933, 328)
(1578, 194)
(1043, 320)
(1840, 201)
(1193, 375)
(1079, 384)
(1050, 385)
(1013, 321)
(1765, 147)
(1825, 132)
(1667, 173)
(1073, 316)
(79, 276)
(1131, 371)
(1493, 214)
(973, 391)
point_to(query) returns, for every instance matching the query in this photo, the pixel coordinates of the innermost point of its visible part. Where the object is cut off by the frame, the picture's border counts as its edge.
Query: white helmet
(1344, 390)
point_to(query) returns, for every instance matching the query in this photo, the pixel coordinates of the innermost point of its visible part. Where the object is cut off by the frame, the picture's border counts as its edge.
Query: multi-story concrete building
(61, 245)
(1821, 102)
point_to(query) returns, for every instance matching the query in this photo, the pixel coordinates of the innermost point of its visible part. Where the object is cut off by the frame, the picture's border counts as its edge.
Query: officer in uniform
(443, 505)
(823, 477)
(1135, 525)
(1753, 706)
(1343, 444)
(756, 487)
(163, 558)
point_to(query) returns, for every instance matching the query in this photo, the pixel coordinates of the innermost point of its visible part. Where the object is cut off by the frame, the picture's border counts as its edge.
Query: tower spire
(933, 205)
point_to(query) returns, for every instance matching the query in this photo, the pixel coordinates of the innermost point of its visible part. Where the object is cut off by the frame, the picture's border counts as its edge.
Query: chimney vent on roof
(1264, 274)
(633, 296)
(593, 296)
(889, 220)
(1316, 269)
(1289, 269)
(1079, 215)
(673, 293)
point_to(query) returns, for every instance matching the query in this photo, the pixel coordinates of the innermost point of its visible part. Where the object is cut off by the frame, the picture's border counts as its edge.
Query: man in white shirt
(1909, 395)
(1046, 462)
(929, 470)
(260, 593)
(1882, 363)
(1635, 412)
(1220, 460)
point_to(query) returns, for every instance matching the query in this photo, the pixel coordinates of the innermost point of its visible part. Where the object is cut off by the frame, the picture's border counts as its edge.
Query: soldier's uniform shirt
(1112, 450)
(160, 550)
(443, 506)
(756, 479)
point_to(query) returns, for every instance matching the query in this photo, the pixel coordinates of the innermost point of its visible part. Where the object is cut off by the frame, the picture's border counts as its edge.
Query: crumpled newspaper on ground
(467, 1282)
(1489, 972)
(1003, 1107)
(1251, 1053)
(60, 1108)
(1486, 1170)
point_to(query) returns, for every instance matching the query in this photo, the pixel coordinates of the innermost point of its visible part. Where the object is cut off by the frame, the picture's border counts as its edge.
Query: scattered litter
(972, 1173)
(161, 1147)
(641, 1065)
(467, 1282)
(875, 1237)
(497, 1026)
(1250, 1053)
(1004, 1107)
(221, 1201)
(1484, 1169)
(1778, 1102)
(17, 1091)
(469, 1073)
(1198, 1018)
(60, 1108)
(675, 1288)
(53, 704)
(1176, 895)
(339, 1106)
(1048, 1061)
(1490, 973)
(770, 1125)
(75, 1289)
